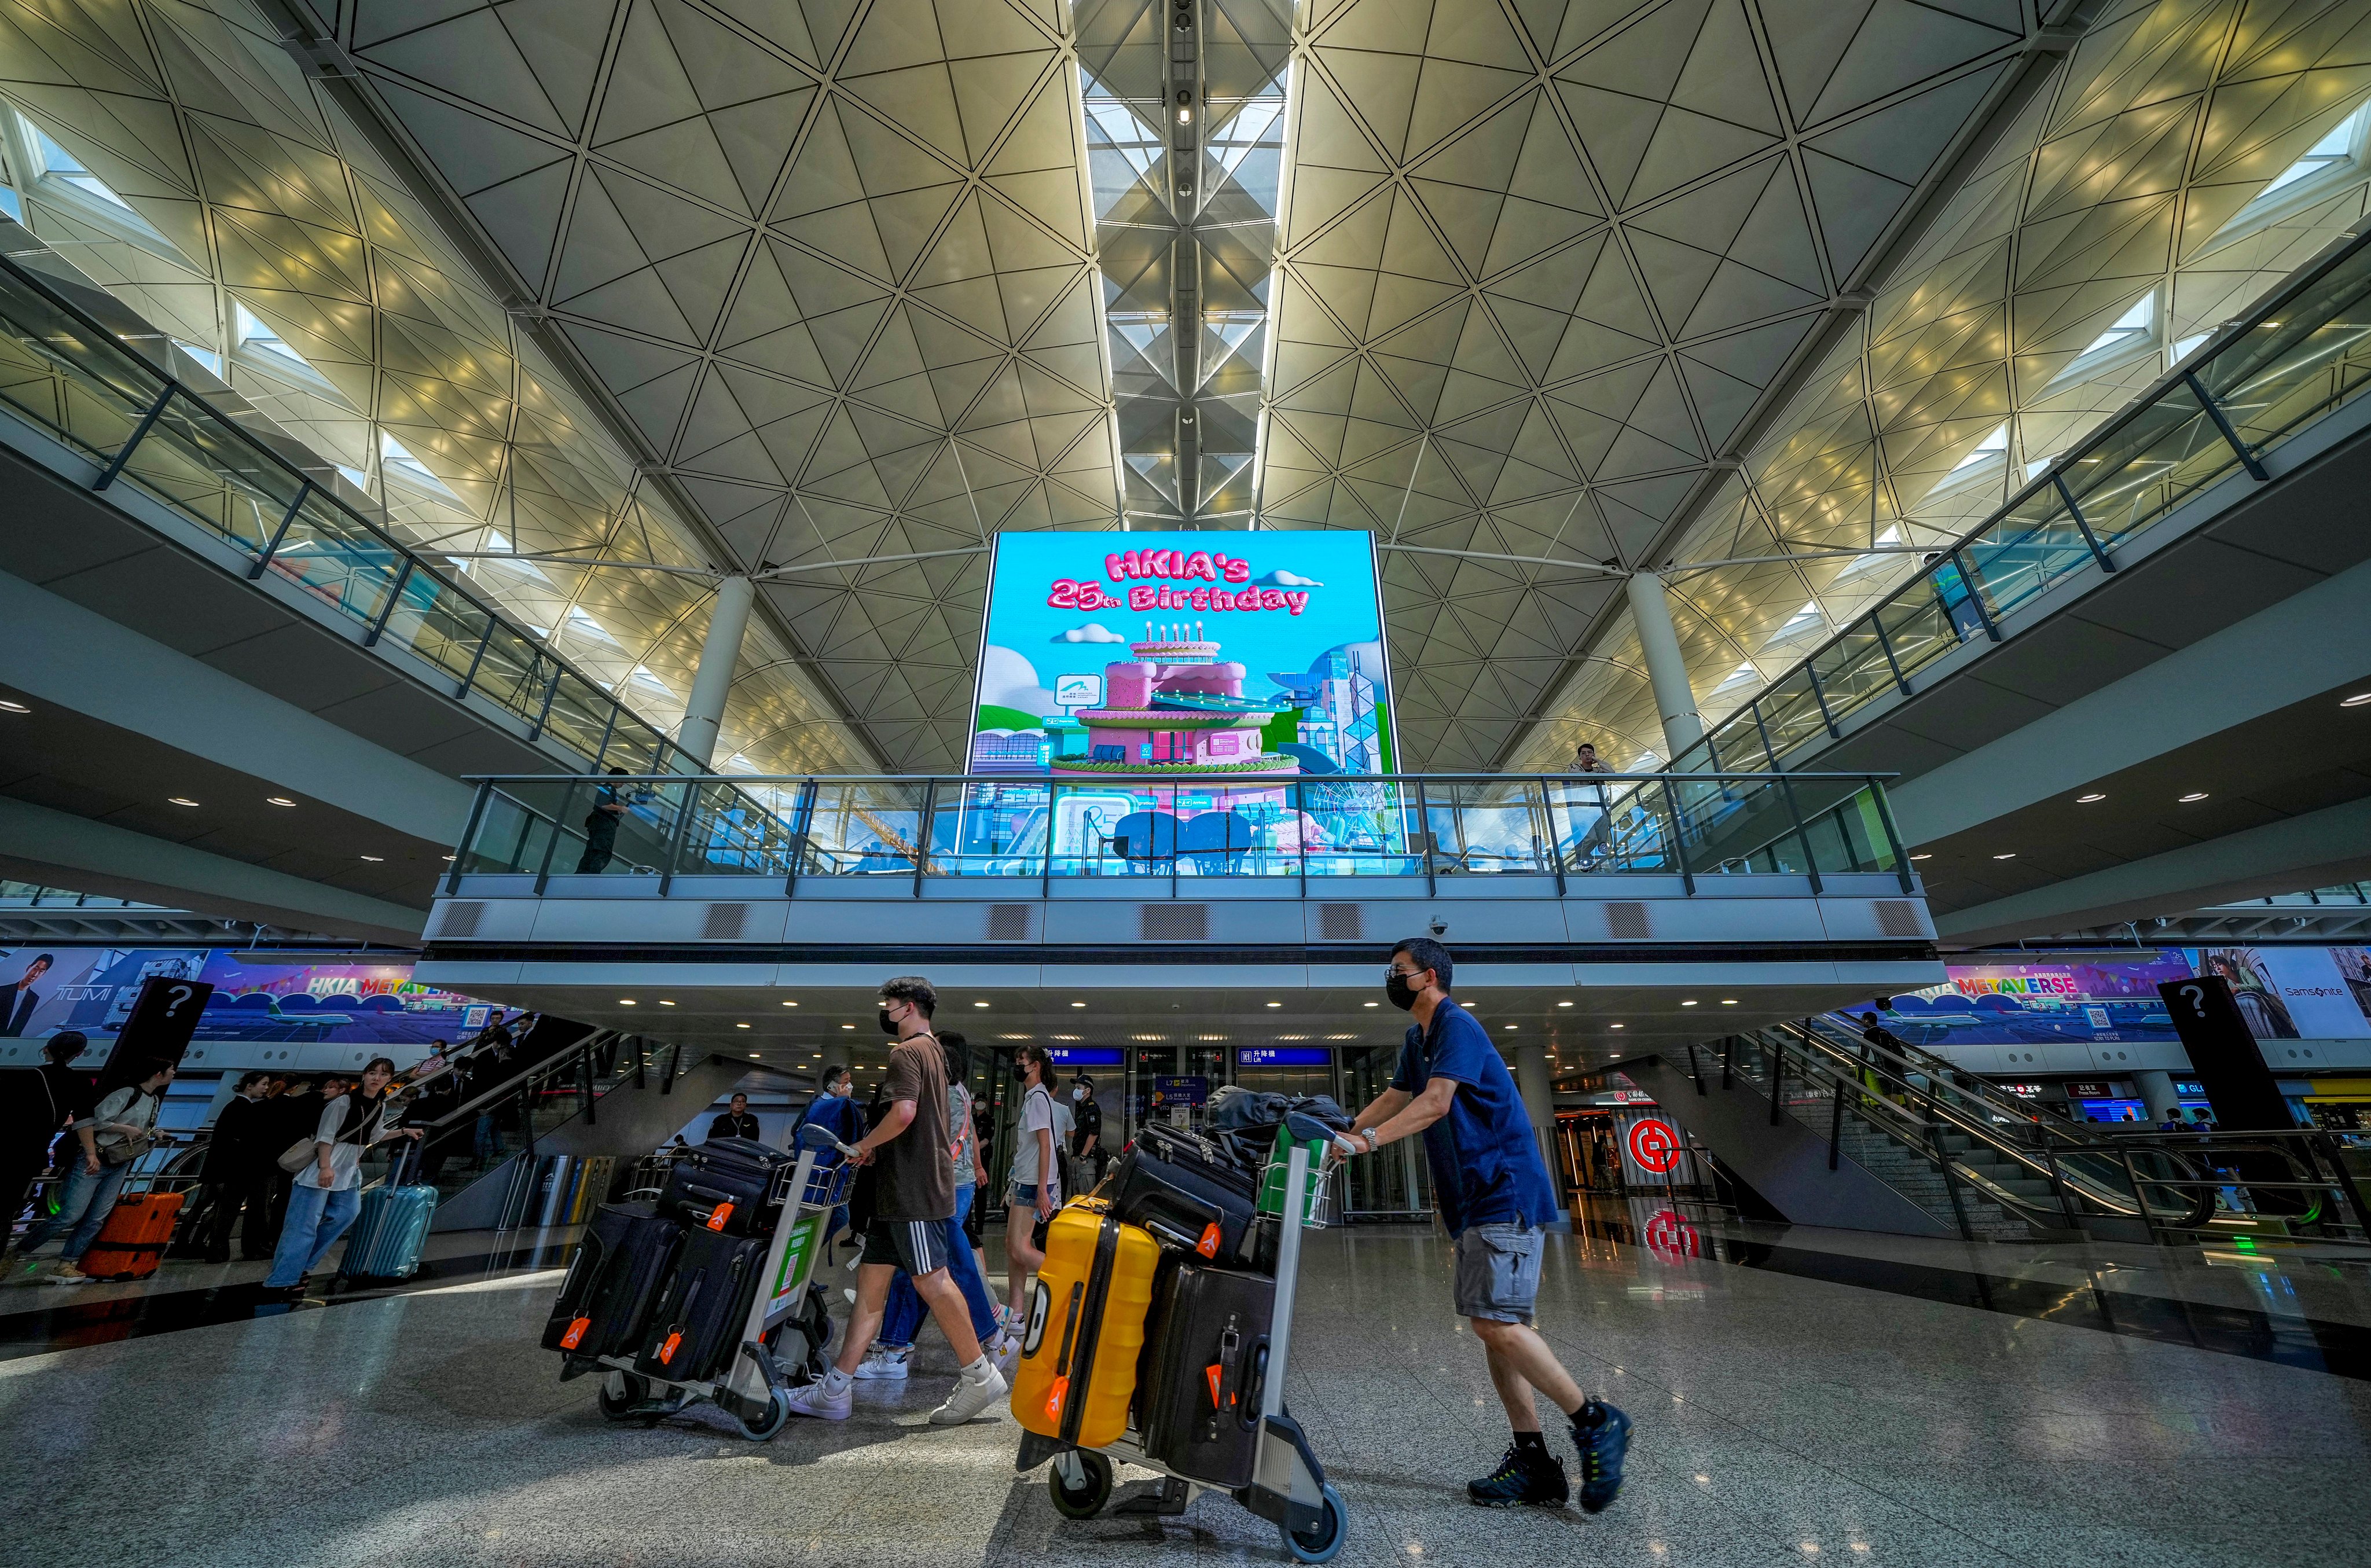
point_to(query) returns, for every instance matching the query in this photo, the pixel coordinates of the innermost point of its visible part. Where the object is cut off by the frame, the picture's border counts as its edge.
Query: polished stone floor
(1781, 1418)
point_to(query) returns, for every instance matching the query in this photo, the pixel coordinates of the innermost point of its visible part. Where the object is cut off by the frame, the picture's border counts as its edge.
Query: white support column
(1538, 1088)
(705, 712)
(2157, 1091)
(1659, 639)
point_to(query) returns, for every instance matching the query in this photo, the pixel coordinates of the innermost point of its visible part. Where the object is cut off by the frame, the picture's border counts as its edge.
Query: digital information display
(1283, 1056)
(1086, 1055)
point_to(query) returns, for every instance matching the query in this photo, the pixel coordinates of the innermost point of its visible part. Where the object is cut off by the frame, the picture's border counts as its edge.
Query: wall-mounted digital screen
(1283, 1056)
(1086, 1055)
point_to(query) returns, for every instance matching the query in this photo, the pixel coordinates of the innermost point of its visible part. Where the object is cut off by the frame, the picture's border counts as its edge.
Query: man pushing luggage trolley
(1496, 1199)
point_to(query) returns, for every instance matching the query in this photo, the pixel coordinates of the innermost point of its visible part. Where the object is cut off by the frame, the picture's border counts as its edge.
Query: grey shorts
(1499, 1272)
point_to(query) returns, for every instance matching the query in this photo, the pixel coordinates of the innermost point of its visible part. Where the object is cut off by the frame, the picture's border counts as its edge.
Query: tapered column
(704, 714)
(1658, 640)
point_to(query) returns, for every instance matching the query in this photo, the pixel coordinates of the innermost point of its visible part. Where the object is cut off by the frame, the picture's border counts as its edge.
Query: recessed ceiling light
(1375, 1004)
(2194, 795)
(448, 859)
(980, 1003)
(8, 707)
(753, 1056)
(2011, 855)
(1928, 856)
(665, 1003)
(790, 1004)
(848, 1026)
(628, 1002)
(1508, 1026)
(185, 800)
(380, 857)
(1729, 1001)
(740, 1026)
(278, 800)
(1275, 1004)
(1078, 1004)
(2359, 699)
(1688, 1004)
(2090, 799)
(1617, 1056)
(1617, 1026)
(1559, 1004)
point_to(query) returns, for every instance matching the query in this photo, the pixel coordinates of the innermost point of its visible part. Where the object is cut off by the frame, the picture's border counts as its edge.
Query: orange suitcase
(131, 1243)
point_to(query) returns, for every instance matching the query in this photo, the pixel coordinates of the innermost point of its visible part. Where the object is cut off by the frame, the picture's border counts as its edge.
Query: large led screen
(1212, 655)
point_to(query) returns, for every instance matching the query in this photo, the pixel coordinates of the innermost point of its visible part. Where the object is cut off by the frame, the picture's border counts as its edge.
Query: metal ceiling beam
(2063, 25)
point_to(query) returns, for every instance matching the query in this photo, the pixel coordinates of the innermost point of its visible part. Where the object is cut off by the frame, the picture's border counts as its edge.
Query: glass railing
(2303, 352)
(917, 830)
(67, 375)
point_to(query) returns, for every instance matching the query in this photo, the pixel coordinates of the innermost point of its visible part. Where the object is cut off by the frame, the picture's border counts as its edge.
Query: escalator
(1825, 1128)
(543, 1145)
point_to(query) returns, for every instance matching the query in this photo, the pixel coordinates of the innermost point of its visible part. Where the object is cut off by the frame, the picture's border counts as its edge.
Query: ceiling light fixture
(1617, 1026)
(2359, 699)
(448, 859)
(2011, 855)
(1927, 856)
(848, 1026)
(1275, 1004)
(1729, 1001)
(980, 1003)
(379, 857)
(740, 1026)
(8, 707)
(185, 800)
(1078, 1004)
(665, 1003)
(1375, 1004)
(628, 1002)
(2194, 795)
(1508, 1026)
(278, 800)
(790, 1004)
(2091, 799)
(1564, 1004)
(1690, 1002)
(753, 1056)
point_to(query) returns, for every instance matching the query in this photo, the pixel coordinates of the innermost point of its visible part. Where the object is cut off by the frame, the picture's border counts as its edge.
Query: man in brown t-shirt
(916, 1199)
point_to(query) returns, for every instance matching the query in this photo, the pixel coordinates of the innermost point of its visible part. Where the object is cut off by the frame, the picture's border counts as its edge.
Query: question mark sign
(2197, 995)
(180, 994)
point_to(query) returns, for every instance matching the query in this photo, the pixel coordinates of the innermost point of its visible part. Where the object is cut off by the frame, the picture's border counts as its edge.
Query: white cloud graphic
(1282, 579)
(1093, 631)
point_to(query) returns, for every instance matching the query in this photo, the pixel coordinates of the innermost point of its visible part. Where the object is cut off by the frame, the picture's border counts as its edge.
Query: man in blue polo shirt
(1496, 1199)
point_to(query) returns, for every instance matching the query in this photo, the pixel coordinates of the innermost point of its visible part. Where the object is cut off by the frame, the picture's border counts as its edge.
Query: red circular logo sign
(1671, 1237)
(1654, 1146)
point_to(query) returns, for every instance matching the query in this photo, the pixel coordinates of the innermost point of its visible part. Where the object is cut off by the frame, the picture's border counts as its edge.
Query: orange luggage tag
(718, 1215)
(575, 1333)
(666, 1351)
(1212, 1373)
(1208, 1245)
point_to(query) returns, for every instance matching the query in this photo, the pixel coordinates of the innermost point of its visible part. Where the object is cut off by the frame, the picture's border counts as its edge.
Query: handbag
(124, 1152)
(298, 1155)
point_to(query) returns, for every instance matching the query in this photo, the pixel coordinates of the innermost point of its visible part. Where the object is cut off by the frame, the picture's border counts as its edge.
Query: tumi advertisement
(259, 995)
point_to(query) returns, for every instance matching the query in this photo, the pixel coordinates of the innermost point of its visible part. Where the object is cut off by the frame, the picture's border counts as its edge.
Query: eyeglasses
(1391, 973)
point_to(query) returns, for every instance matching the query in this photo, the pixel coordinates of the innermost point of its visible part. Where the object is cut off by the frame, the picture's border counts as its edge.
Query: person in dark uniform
(36, 1104)
(1087, 1134)
(736, 1122)
(241, 1160)
(601, 828)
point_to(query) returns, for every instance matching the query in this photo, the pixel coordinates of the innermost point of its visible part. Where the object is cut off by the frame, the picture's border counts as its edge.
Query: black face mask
(1401, 995)
(888, 1026)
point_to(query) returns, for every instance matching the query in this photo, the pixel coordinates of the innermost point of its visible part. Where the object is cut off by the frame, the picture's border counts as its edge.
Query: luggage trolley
(752, 1389)
(1287, 1485)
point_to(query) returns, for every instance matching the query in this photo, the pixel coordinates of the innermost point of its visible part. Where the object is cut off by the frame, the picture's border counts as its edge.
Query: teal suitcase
(390, 1231)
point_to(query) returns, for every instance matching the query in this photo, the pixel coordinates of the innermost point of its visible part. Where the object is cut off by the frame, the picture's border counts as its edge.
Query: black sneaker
(1533, 1477)
(1603, 1435)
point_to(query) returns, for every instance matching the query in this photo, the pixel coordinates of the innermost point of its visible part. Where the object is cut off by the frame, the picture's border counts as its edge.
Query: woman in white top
(1036, 1175)
(328, 1192)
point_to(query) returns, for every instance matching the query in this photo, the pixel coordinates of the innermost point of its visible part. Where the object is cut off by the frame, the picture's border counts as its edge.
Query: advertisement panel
(2283, 993)
(1220, 655)
(258, 995)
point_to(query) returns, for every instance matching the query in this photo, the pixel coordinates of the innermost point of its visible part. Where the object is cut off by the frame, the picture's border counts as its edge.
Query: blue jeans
(89, 1199)
(903, 1319)
(316, 1218)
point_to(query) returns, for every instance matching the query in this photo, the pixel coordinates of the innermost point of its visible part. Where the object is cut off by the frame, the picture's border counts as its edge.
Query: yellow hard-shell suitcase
(1077, 1373)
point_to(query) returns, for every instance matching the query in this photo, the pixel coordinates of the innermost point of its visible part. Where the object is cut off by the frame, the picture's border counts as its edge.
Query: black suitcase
(1205, 1358)
(722, 1185)
(613, 1282)
(696, 1331)
(1187, 1192)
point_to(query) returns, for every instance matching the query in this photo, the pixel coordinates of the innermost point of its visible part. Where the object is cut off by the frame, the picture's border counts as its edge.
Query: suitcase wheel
(778, 1410)
(621, 1392)
(1080, 1482)
(1322, 1540)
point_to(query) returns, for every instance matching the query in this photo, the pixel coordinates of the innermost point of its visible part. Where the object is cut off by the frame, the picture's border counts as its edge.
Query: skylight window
(643, 676)
(1801, 621)
(1876, 557)
(400, 462)
(2135, 326)
(64, 166)
(259, 346)
(2337, 159)
(497, 546)
(1992, 446)
(207, 357)
(11, 204)
(1744, 674)
(2180, 351)
(584, 625)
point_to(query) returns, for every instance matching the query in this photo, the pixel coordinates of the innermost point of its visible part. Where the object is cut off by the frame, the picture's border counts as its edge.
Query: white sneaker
(852, 1296)
(883, 1364)
(1006, 1354)
(972, 1400)
(815, 1400)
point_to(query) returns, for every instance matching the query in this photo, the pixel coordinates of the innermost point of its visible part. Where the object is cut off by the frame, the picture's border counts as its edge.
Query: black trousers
(251, 1190)
(600, 845)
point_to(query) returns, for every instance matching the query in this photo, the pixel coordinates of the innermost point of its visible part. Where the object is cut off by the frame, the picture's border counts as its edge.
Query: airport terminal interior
(1178, 781)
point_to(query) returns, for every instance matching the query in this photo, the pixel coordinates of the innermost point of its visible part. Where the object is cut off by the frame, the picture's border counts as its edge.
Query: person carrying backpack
(119, 1130)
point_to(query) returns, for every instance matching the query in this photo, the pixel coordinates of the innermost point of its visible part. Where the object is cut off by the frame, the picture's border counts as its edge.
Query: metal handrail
(121, 364)
(2183, 378)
